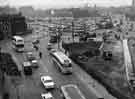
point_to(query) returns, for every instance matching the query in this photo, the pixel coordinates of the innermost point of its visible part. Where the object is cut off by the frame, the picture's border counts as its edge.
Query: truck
(27, 68)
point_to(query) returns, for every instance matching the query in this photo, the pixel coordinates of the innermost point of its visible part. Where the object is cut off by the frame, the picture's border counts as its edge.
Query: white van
(18, 43)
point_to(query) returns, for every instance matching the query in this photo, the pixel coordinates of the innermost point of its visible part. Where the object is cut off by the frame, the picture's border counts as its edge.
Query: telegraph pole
(73, 31)
(59, 34)
(95, 16)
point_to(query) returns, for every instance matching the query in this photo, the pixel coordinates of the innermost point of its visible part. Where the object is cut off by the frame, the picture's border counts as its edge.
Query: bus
(18, 43)
(71, 91)
(62, 61)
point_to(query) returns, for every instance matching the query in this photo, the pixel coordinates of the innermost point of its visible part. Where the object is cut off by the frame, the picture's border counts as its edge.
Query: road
(31, 87)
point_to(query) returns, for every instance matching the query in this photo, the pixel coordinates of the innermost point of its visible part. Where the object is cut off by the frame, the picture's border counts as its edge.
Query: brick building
(12, 25)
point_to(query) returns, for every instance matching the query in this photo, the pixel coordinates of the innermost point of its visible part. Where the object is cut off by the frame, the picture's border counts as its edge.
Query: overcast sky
(64, 3)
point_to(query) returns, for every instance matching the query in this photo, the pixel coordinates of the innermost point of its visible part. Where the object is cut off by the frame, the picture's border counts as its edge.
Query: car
(34, 63)
(48, 82)
(27, 63)
(47, 96)
(30, 56)
(49, 46)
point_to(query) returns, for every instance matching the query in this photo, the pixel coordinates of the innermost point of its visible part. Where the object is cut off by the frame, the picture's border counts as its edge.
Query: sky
(64, 3)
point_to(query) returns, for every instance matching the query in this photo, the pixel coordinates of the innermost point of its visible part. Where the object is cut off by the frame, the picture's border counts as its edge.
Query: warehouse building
(12, 25)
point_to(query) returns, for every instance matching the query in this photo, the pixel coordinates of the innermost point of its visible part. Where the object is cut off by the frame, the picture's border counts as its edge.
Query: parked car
(30, 56)
(47, 96)
(48, 82)
(49, 46)
(34, 63)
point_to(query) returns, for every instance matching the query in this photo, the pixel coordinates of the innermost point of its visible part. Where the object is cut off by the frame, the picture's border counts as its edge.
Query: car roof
(47, 95)
(46, 77)
(18, 37)
(34, 60)
(50, 43)
(26, 63)
(29, 53)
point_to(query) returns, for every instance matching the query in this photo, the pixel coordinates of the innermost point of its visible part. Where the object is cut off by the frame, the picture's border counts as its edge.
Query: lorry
(27, 68)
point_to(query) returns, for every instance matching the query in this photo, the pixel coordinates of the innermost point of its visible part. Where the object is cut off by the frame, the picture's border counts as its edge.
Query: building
(12, 25)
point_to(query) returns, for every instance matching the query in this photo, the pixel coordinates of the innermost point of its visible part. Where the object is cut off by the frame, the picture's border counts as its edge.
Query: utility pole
(73, 31)
(84, 25)
(59, 35)
(95, 17)
(58, 38)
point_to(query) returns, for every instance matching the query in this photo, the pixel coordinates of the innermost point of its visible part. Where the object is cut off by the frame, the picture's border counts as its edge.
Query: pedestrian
(40, 54)
(126, 33)
(36, 47)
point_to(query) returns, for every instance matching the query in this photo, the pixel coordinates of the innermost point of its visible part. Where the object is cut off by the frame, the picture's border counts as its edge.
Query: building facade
(12, 25)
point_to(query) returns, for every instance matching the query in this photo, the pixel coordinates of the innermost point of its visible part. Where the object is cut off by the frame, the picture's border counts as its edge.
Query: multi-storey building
(12, 25)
